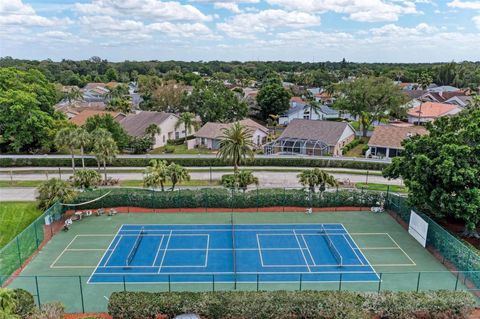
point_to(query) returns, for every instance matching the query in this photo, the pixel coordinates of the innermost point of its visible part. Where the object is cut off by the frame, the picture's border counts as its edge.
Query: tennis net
(134, 249)
(331, 246)
(234, 254)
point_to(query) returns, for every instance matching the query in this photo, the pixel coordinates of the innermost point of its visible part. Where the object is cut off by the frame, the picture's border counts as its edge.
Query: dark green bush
(352, 144)
(169, 149)
(25, 303)
(292, 304)
(198, 162)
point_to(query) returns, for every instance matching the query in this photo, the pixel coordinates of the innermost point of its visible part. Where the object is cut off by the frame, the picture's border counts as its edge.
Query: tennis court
(149, 253)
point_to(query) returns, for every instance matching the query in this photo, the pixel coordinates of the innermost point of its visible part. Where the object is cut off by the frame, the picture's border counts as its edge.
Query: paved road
(17, 194)
(166, 156)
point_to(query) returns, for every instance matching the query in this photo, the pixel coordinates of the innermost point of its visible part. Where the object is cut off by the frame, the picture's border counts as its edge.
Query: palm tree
(82, 139)
(152, 130)
(188, 119)
(73, 95)
(308, 178)
(65, 138)
(274, 118)
(424, 81)
(316, 177)
(104, 148)
(177, 174)
(54, 190)
(156, 174)
(236, 145)
(324, 179)
(245, 178)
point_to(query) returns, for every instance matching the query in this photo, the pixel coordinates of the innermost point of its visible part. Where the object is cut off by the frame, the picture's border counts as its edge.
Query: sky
(242, 30)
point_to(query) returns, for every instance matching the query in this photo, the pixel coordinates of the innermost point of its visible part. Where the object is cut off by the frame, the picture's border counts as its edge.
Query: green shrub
(292, 304)
(352, 144)
(169, 149)
(25, 305)
(198, 162)
(53, 310)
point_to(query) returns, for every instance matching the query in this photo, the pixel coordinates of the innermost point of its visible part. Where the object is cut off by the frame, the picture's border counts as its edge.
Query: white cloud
(358, 10)
(475, 5)
(165, 10)
(182, 29)
(421, 29)
(476, 20)
(15, 12)
(247, 24)
(228, 6)
(107, 24)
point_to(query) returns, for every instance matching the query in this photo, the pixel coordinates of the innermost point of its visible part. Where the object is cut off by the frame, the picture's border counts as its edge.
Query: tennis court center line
(301, 250)
(112, 252)
(104, 254)
(165, 251)
(63, 251)
(359, 249)
(308, 250)
(158, 251)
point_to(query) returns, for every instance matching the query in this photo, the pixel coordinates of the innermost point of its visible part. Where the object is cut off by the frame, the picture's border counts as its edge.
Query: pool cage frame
(297, 146)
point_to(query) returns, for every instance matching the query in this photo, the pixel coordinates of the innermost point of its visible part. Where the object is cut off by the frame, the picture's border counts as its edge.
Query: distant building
(307, 137)
(307, 112)
(386, 140)
(430, 111)
(82, 117)
(210, 135)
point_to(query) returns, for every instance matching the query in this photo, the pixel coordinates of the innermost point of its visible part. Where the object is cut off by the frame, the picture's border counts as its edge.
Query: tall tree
(441, 169)
(65, 138)
(316, 178)
(272, 99)
(188, 120)
(236, 145)
(370, 99)
(424, 80)
(73, 94)
(156, 174)
(104, 148)
(213, 102)
(177, 174)
(82, 139)
(86, 178)
(108, 123)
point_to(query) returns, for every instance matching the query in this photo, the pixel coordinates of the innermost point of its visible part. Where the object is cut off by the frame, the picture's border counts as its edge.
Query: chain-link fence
(449, 249)
(20, 249)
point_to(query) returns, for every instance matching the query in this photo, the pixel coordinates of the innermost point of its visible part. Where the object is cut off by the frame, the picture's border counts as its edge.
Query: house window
(177, 135)
(163, 138)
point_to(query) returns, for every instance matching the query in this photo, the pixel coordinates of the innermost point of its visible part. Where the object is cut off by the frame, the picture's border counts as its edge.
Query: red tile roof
(431, 109)
(83, 116)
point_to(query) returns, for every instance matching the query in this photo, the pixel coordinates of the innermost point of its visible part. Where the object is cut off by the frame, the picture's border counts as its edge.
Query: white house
(211, 133)
(386, 140)
(136, 124)
(307, 112)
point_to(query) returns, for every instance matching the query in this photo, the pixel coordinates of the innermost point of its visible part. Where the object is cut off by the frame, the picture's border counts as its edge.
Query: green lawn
(357, 151)
(14, 217)
(382, 187)
(182, 149)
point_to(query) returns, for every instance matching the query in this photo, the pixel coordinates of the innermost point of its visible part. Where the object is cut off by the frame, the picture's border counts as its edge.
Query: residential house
(136, 124)
(461, 100)
(386, 140)
(306, 111)
(440, 97)
(307, 137)
(443, 88)
(211, 133)
(82, 117)
(430, 111)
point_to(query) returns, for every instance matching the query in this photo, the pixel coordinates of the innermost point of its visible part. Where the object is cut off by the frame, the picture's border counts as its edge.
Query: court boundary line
(158, 251)
(164, 252)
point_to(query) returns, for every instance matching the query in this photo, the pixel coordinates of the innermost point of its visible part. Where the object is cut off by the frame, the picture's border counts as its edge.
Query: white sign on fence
(418, 228)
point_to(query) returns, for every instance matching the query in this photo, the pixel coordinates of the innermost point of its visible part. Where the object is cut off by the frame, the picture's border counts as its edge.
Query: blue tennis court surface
(240, 253)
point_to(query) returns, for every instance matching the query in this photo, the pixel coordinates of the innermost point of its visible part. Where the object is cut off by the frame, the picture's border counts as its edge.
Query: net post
(418, 280)
(81, 293)
(19, 253)
(340, 282)
(38, 292)
(380, 282)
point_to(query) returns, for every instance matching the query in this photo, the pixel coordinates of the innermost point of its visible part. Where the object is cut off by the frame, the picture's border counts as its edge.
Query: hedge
(223, 198)
(292, 304)
(205, 162)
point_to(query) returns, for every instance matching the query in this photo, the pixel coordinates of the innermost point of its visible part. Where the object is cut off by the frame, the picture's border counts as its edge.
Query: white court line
(353, 249)
(403, 251)
(379, 248)
(158, 250)
(153, 274)
(113, 251)
(86, 249)
(104, 254)
(308, 249)
(206, 255)
(63, 251)
(260, 251)
(165, 252)
(300, 246)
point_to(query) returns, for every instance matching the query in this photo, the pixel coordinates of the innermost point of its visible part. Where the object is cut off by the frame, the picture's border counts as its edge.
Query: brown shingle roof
(431, 109)
(328, 132)
(216, 130)
(392, 136)
(83, 116)
(136, 124)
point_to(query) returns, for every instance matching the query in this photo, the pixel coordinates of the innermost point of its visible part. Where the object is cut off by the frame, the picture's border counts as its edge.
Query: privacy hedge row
(293, 304)
(223, 198)
(205, 162)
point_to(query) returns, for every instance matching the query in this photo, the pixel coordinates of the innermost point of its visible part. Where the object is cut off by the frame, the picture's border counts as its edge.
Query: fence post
(340, 282)
(380, 283)
(386, 196)
(213, 283)
(81, 293)
(257, 200)
(301, 281)
(284, 198)
(38, 292)
(19, 253)
(258, 279)
(456, 281)
(418, 280)
(169, 284)
(36, 234)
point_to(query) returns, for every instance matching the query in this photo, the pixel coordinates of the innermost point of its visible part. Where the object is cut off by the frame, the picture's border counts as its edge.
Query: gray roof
(136, 124)
(414, 94)
(328, 132)
(328, 110)
(301, 106)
